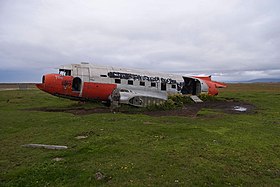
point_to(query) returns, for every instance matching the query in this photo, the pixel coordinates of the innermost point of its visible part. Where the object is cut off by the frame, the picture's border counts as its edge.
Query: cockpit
(65, 72)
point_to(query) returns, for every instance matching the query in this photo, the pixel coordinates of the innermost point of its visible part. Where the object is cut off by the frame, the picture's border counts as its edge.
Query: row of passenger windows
(153, 84)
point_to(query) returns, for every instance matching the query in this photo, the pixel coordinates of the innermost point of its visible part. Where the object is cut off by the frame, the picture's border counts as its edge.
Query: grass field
(141, 150)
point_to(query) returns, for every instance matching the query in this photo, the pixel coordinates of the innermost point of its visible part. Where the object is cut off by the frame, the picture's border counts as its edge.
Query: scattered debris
(45, 146)
(57, 159)
(240, 108)
(99, 176)
(81, 137)
(196, 99)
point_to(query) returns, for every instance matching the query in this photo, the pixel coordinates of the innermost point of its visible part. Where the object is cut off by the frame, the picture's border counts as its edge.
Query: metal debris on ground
(196, 99)
(81, 137)
(240, 108)
(57, 159)
(99, 175)
(45, 146)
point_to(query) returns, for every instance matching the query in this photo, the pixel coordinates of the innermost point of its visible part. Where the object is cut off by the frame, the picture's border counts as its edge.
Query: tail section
(208, 78)
(211, 85)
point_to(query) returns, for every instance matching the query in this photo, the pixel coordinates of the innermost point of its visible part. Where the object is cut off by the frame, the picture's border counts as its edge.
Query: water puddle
(240, 109)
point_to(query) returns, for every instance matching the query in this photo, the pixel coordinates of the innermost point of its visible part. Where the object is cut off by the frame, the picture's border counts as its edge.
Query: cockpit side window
(65, 72)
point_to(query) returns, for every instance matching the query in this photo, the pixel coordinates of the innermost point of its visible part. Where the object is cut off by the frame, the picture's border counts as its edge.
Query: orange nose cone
(40, 86)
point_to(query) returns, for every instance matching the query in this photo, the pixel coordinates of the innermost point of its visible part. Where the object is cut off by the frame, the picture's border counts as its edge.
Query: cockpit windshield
(65, 72)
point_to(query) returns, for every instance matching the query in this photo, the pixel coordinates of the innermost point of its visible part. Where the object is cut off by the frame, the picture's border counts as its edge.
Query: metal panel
(83, 72)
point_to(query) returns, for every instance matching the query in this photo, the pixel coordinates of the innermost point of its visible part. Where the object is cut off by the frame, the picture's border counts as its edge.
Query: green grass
(214, 148)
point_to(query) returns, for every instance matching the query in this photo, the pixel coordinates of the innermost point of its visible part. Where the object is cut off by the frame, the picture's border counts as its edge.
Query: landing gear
(114, 99)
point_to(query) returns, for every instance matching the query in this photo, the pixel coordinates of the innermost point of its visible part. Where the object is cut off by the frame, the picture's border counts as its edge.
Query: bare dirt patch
(228, 106)
(192, 109)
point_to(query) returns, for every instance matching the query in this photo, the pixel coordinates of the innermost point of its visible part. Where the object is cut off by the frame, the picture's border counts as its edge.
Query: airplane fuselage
(135, 87)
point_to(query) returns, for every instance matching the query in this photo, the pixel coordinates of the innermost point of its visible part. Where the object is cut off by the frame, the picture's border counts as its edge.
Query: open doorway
(76, 84)
(191, 86)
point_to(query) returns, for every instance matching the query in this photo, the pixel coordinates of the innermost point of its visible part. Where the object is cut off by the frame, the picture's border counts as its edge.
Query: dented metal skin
(135, 87)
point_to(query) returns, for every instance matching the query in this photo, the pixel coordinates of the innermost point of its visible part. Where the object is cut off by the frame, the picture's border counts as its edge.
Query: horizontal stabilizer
(206, 78)
(219, 84)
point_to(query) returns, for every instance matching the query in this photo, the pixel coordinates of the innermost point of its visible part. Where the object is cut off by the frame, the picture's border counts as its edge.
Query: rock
(57, 159)
(81, 137)
(99, 176)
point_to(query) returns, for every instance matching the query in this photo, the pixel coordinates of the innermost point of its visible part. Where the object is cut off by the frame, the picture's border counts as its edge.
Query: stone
(57, 159)
(99, 175)
(81, 137)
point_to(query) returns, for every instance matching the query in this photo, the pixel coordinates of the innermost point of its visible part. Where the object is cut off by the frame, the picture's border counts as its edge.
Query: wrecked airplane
(123, 86)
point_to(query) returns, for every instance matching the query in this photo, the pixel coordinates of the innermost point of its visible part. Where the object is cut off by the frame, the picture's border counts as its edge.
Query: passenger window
(163, 86)
(153, 84)
(124, 90)
(118, 81)
(130, 82)
(142, 83)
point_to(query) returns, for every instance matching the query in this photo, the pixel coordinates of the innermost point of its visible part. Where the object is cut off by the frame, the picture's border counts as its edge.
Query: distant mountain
(264, 80)
(256, 80)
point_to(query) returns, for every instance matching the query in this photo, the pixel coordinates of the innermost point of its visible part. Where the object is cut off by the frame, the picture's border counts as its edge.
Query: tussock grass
(177, 101)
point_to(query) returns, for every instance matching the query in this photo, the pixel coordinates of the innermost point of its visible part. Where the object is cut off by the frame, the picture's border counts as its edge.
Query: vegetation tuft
(169, 104)
(177, 101)
(180, 99)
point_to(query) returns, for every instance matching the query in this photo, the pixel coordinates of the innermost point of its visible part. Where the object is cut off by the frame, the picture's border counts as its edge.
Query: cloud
(222, 37)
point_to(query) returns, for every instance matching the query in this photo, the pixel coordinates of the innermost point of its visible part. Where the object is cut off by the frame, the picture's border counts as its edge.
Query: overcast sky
(229, 39)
